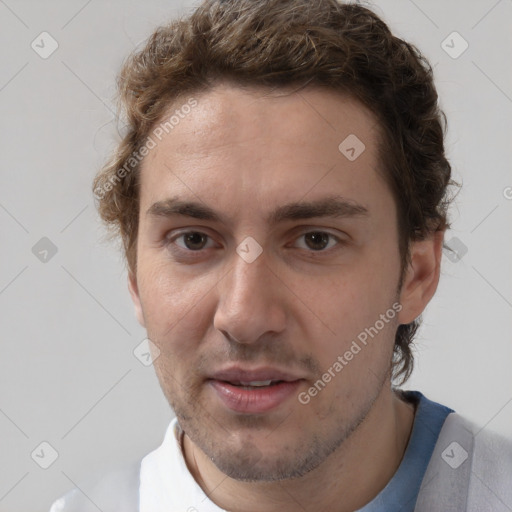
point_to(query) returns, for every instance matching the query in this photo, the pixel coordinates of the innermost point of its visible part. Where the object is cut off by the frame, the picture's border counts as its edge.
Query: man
(282, 196)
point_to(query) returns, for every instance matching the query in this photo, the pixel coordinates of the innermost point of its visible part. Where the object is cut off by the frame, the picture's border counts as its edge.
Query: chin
(262, 471)
(248, 464)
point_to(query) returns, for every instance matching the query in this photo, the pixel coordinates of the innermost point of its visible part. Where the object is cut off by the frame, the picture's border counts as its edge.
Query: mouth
(255, 384)
(254, 390)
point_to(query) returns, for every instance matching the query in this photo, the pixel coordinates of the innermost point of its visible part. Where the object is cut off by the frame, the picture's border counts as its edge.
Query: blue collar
(401, 492)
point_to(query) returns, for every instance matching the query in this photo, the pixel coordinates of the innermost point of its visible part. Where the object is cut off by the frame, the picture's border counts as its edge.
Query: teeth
(256, 383)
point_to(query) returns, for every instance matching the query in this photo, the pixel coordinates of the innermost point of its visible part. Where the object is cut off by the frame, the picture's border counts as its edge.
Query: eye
(191, 240)
(318, 240)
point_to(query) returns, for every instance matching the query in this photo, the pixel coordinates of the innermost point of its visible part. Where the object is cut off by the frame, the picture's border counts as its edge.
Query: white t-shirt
(180, 491)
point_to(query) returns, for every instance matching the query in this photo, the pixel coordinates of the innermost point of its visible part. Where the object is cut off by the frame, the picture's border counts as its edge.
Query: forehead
(256, 147)
(228, 113)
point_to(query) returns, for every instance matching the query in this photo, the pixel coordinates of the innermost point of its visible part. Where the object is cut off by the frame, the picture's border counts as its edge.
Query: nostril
(230, 337)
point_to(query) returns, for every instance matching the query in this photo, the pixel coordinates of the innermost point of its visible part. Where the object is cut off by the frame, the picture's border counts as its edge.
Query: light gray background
(67, 369)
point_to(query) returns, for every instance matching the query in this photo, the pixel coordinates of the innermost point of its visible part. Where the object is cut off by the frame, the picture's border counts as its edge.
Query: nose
(251, 301)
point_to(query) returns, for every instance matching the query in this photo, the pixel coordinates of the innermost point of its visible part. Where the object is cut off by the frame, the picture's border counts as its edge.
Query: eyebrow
(331, 206)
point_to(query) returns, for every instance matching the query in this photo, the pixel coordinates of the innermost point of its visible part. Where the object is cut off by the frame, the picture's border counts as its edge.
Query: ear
(134, 292)
(422, 277)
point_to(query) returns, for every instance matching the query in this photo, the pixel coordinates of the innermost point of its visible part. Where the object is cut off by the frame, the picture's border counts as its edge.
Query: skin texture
(298, 306)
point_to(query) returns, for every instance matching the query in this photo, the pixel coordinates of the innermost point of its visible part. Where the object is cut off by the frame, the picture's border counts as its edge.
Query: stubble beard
(240, 458)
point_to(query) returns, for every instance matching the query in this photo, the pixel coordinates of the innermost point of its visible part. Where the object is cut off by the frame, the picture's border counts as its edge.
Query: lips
(254, 391)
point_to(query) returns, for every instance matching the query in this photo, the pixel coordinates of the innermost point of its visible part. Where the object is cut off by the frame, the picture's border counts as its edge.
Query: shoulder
(486, 445)
(115, 491)
(491, 470)
(470, 469)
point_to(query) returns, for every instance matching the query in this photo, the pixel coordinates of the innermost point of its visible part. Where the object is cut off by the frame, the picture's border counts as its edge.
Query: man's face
(322, 278)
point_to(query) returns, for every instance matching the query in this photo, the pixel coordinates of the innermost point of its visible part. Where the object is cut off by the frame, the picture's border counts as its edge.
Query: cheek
(176, 309)
(355, 363)
(351, 301)
(357, 320)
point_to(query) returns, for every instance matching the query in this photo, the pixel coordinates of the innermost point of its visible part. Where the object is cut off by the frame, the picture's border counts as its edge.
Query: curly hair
(280, 44)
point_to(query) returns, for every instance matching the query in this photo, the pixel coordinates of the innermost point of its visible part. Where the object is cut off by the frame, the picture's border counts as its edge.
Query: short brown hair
(280, 44)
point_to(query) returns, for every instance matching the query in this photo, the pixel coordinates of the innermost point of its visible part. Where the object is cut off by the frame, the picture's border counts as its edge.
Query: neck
(349, 478)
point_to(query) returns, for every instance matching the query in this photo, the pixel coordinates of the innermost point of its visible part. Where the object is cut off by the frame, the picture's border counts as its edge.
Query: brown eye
(317, 240)
(194, 240)
(191, 241)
